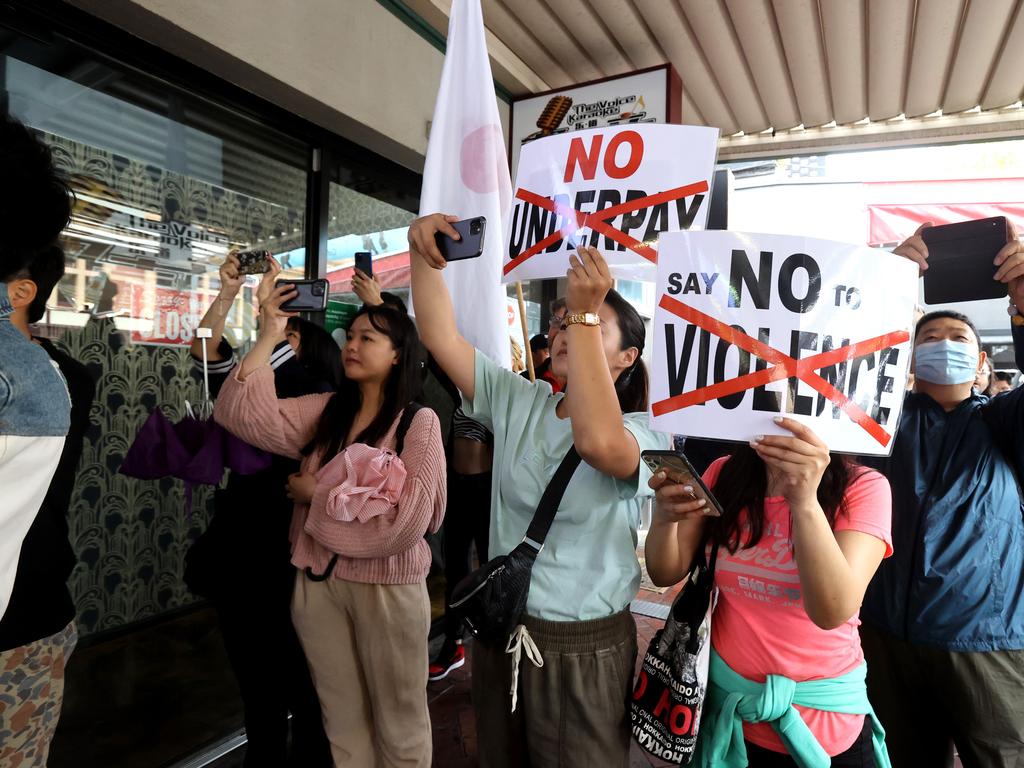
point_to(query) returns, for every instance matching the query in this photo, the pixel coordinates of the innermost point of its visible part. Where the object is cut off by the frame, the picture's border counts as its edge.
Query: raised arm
(248, 405)
(435, 316)
(835, 567)
(216, 316)
(677, 529)
(598, 431)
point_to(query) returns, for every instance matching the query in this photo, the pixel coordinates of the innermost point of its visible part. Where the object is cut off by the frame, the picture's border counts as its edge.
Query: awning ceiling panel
(781, 72)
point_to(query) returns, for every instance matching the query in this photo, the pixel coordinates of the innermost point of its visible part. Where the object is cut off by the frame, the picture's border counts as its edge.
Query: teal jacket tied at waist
(732, 700)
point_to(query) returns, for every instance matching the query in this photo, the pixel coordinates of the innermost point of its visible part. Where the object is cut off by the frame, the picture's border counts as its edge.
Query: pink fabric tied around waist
(372, 484)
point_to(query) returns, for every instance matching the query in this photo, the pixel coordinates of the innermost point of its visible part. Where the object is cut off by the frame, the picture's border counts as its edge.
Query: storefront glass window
(166, 184)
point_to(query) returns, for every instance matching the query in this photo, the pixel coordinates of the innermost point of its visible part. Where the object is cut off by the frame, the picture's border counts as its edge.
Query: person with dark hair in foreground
(574, 651)
(943, 628)
(242, 561)
(35, 417)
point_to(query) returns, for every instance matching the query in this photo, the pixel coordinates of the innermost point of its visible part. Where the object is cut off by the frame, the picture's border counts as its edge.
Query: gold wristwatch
(581, 318)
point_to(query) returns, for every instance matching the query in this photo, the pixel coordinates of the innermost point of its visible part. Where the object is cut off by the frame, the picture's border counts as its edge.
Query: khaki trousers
(572, 712)
(366, 645)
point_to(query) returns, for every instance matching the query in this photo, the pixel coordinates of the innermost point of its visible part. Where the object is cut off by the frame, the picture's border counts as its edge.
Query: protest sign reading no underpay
(616, 189)
(749, 327)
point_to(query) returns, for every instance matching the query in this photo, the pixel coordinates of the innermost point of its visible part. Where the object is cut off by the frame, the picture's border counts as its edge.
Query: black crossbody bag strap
(545, 514)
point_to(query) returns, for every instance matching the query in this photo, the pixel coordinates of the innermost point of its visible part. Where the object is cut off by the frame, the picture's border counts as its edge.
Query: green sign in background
(339, 315)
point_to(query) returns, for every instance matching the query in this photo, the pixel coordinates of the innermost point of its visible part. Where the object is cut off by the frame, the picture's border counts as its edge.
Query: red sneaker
(446, 662)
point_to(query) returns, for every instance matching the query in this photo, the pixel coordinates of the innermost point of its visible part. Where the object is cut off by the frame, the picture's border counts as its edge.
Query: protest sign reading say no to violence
(750, 327)
(616, 189)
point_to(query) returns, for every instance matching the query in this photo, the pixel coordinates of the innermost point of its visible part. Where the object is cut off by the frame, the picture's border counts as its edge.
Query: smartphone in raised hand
(679, 470)
(311, 296)
(470, 245)
(961, 260)
(253, 262)
(364, 262)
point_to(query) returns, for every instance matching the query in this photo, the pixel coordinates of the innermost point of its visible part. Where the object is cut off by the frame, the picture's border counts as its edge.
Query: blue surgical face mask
(946, 362)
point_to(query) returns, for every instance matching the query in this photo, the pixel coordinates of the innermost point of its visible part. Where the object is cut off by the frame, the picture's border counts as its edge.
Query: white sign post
(749, 327)
(616, 189)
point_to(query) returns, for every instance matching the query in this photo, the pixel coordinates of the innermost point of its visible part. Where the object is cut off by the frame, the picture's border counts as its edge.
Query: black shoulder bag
(492, 599)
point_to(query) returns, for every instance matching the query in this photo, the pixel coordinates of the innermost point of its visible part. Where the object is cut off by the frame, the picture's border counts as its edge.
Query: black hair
(539, 342)
(35, 200)
(557, 305)
(946, 314)
(631, 386)
(394, 300)
(45, 270)
(319, 353)
(403, 385)
(1002, 376)
(743, 484)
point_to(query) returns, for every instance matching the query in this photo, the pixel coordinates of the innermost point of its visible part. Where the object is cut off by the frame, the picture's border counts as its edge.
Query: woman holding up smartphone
(801, 536)
(578, 659)
(360, 603)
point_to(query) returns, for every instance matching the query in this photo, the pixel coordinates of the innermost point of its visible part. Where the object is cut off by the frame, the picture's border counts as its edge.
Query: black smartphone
(364, 262)
(679, 470)
(312, 296)
(470, 246)
(253, 262)
(960, 261)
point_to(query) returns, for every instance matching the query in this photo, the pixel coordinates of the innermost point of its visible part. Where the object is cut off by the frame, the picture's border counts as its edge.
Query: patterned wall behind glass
(131, 535)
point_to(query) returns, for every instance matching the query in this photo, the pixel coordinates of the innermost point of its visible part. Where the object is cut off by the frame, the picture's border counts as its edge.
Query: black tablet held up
(960, 261)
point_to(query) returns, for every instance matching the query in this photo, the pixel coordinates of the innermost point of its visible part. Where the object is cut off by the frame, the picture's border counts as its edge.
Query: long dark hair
(319, 354)
(743, 484)
(402, 386)
(632, 384)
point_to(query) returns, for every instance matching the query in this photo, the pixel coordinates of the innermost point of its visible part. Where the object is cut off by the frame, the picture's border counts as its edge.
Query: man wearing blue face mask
(943, 628)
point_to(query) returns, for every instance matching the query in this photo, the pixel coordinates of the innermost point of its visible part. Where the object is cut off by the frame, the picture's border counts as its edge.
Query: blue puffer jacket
(956, 579)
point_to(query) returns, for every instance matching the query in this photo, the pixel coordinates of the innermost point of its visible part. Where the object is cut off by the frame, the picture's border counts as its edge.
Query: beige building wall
(350, 66)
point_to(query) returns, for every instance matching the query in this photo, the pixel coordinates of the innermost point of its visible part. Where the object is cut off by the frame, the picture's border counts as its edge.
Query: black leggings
(466, 522)
(860, 755)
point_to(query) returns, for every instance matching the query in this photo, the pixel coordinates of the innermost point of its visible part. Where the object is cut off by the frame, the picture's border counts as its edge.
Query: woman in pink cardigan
(360, 605)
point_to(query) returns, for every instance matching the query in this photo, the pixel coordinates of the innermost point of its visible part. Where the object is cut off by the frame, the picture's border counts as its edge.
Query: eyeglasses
(556, 321)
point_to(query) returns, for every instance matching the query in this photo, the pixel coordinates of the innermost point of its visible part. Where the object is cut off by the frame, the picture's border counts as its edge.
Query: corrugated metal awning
(778, 76)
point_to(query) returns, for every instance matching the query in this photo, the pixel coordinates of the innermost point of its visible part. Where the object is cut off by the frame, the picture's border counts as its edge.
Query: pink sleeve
(420, 507)
(250, 410)
(868, 507)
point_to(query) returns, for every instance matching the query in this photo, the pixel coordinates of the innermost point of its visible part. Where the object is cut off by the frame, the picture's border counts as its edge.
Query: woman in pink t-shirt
(802, 535)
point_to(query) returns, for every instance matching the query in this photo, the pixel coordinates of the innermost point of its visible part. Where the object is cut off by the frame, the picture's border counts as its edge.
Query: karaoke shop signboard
(616, 189)
(751, 327)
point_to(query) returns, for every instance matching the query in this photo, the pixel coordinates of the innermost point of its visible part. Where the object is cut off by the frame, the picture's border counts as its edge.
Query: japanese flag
(466, 174)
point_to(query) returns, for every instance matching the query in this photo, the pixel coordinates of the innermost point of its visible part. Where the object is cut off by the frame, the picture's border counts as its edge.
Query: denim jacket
(34, 400)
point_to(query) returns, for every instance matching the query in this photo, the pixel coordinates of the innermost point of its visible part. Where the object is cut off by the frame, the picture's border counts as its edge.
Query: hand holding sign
(795, 463)
(589, 281)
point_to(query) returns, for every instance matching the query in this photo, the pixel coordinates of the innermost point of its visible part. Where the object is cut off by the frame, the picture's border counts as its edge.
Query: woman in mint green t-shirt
(575, 667)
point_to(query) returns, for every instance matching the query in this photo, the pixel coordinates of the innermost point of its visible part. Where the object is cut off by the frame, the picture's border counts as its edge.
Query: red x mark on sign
(598, 221)
(783, 367)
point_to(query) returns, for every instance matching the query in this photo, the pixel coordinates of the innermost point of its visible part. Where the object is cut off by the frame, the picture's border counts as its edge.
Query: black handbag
(668, 696)
(492, 599)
